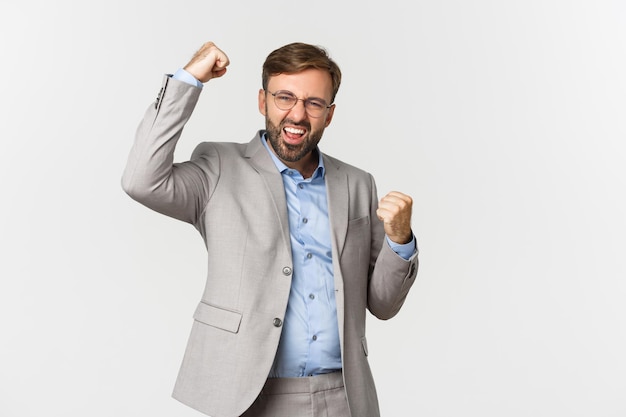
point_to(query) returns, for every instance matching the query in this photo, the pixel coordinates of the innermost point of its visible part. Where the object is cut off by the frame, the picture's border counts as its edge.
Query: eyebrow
(308, 98)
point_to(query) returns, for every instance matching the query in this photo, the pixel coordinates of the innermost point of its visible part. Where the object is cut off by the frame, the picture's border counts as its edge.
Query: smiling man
(299, 246)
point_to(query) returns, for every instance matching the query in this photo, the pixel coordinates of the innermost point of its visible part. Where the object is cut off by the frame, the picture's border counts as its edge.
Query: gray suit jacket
(233, 194)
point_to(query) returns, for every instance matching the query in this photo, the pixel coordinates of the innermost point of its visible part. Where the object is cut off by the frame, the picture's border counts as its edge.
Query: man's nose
(298, 112)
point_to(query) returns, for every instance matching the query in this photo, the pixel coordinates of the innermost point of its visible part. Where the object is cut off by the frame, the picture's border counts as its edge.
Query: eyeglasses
(286, 100)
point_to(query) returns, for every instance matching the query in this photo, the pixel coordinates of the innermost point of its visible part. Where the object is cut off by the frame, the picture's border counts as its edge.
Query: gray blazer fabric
(233, 195)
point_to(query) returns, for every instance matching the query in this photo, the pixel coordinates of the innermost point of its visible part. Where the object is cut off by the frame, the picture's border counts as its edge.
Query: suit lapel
(338, 213)
(338, 202)
(263, 164)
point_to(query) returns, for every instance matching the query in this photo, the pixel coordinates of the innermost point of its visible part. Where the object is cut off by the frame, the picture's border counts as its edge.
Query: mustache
(290, 122)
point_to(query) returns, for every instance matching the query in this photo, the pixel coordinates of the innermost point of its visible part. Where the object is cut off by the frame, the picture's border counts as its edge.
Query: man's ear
(262, 102)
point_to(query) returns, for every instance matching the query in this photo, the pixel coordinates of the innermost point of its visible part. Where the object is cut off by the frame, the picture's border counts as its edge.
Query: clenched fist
(209, 62)
(394, 210)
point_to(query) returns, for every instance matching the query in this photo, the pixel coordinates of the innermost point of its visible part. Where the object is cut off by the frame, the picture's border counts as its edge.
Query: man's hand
(394, 210)
(209, 62)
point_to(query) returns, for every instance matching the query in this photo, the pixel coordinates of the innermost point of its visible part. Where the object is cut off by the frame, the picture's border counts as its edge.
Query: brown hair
(296, 57)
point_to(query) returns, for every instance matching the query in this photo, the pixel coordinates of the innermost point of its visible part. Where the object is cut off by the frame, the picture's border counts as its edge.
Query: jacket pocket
(218, 317)
(361, 221)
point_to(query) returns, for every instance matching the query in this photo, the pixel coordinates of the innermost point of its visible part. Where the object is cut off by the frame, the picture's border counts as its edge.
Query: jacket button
(286, 271)
(278, 322)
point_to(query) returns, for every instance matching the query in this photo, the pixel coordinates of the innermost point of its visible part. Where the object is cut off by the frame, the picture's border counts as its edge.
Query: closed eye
(316, 104)
(285, 98)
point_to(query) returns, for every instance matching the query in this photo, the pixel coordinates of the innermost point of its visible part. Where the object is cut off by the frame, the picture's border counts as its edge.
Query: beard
(288, 152)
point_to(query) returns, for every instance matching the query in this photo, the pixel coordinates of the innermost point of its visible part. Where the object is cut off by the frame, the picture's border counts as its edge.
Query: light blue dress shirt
(309, 343)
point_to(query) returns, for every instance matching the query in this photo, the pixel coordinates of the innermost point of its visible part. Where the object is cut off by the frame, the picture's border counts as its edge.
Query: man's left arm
(396, 265)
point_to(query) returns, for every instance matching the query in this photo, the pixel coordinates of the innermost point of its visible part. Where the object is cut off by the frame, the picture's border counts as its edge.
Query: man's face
(293, 134)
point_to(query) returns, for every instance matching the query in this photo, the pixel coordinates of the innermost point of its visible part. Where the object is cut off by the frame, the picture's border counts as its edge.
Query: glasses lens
(285, 100)
(315, 107)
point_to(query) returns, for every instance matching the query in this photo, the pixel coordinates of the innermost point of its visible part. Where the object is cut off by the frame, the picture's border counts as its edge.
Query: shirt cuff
(184, 76)
(405, 251)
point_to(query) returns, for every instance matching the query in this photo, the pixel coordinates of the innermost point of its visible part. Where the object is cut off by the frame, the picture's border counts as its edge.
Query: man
(298, 245)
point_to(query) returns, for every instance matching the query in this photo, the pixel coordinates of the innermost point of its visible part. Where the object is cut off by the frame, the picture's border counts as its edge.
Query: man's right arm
(151, 177)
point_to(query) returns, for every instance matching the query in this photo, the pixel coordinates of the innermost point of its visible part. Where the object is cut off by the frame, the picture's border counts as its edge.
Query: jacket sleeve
(392, 276)
(151, 177)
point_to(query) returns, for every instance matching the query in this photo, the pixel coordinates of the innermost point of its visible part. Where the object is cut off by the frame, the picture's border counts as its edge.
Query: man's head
(300, 83)
(296, 57)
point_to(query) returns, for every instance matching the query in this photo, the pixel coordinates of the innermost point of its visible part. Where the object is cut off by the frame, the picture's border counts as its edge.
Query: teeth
(294, 131)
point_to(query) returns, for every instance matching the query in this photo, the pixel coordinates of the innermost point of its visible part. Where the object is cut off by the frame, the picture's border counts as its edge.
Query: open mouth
(293, 135)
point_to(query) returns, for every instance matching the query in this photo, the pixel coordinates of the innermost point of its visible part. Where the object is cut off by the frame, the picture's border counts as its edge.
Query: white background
(503, 119)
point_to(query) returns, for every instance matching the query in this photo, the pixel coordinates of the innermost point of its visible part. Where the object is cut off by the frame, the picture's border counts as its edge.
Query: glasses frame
(303, 100)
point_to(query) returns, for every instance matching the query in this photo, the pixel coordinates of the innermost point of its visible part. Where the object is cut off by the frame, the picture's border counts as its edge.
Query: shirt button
(311, 296)
(309, 255)
(300, 186)
(305, 220)
(286, 271)
(314, 337)
(278, 322)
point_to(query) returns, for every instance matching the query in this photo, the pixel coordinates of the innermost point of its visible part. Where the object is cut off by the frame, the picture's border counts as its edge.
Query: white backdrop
(504, 120)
